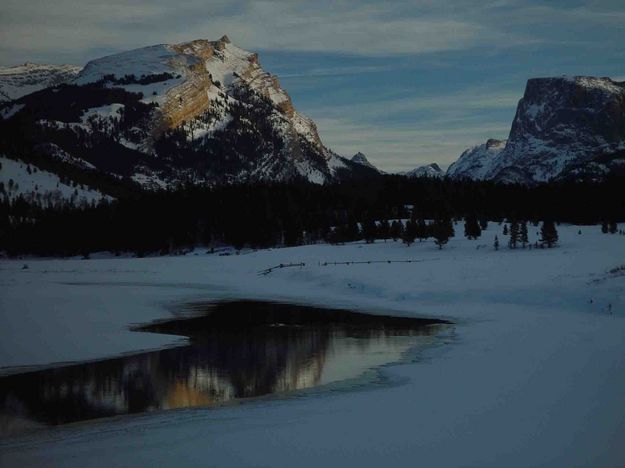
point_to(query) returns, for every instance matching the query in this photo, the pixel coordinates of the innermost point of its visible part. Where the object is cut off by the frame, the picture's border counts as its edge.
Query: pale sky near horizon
(405, 82)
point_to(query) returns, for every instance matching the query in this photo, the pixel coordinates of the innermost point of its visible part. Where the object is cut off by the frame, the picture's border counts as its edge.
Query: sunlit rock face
(565, 127)
(200, 112)
(210, 78)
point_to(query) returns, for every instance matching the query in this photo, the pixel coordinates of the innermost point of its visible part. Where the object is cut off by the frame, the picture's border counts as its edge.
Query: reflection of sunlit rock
(181, 395)
(218, 366)
(202, 387)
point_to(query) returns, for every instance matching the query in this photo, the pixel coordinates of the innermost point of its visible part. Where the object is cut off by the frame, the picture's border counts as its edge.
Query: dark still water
(237, 350)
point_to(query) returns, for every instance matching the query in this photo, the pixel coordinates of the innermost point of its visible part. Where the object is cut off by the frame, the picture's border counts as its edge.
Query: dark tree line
(263, 215)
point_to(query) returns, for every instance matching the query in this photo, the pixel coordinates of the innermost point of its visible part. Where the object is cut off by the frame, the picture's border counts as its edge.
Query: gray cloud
(469, 99)
(70, 27)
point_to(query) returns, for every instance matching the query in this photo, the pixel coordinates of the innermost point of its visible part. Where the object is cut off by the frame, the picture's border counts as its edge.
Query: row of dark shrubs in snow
(518, 235)
(441, 230)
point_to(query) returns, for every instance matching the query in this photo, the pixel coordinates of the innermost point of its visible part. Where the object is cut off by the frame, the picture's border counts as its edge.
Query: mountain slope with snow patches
(21, 80)
(35, 185)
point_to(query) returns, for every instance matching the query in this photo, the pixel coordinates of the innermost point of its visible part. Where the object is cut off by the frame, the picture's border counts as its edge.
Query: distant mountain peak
(427, 170)
(360, 158)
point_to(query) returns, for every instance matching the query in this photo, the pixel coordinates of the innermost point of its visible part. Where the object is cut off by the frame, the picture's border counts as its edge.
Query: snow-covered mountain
(201, 112)
(566, 127)
(475, 162)
(21, 80)
(361, 159)
(429, 170)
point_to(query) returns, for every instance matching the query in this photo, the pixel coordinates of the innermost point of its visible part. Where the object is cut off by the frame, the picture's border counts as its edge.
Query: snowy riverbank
(534, 375)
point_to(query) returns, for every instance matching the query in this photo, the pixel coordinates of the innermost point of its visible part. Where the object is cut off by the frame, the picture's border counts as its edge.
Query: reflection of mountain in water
(237, 350)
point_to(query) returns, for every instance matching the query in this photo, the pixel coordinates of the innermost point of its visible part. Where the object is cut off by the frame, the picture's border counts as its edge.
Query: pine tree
(384, 230)
(505, 229)
(496, 244)
(409, 233)
(369, 231)
(293, 232)
(612, 227)
(396, 230)
(514, 235)
(472, 228)
(352, 232)
(483, 223)
(421, 229)
(442, 230)
(604, 227)
(548, 234)
(523, 234)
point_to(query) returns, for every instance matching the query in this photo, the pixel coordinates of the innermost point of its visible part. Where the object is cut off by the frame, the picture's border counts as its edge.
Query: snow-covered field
(532, 375)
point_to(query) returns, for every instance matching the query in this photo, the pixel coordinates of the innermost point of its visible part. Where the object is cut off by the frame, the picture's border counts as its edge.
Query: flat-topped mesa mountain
(566, 127)
(18, 81)
(428, 170)
(201, 112)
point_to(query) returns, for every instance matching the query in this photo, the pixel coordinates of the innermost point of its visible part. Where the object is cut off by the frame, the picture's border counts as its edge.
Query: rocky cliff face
(21, 80)
(200, 112)
(202, 72)
(563, 127)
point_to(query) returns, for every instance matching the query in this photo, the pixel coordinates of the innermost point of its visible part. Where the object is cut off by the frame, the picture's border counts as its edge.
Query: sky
(405, 82)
